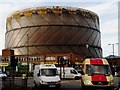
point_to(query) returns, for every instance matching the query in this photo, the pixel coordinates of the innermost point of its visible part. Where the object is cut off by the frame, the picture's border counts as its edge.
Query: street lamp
(27, 59)
(113, 47)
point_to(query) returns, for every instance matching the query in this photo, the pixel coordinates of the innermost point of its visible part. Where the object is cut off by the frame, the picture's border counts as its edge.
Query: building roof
(112, 57)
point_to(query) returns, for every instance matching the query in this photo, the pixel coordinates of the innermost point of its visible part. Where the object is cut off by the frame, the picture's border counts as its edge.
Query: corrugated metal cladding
(53, 30)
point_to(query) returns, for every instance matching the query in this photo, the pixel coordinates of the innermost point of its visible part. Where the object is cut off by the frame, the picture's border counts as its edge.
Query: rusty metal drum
(54, 29)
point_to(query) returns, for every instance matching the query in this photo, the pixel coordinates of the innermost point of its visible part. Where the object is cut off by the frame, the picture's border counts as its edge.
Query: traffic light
(13, 61)
(60, 60)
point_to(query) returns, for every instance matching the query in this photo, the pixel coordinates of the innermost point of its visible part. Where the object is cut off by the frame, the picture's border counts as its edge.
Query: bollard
(3, 82)
(24, 81)
(1, 86)
(119, 85)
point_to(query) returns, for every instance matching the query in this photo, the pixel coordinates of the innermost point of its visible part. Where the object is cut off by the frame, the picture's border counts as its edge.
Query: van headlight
(44, 82)
(88, 82)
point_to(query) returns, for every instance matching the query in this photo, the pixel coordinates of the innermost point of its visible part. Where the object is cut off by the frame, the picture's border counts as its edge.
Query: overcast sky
(106, 10)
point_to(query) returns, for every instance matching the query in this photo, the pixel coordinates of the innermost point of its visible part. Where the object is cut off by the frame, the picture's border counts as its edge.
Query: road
(116, 82)
(19, 82)
(65, 84)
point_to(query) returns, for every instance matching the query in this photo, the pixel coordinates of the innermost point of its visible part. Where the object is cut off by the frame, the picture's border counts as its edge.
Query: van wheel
(76, 78)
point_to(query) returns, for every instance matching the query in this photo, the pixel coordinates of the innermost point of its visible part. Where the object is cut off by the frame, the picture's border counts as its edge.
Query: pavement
(116, 82)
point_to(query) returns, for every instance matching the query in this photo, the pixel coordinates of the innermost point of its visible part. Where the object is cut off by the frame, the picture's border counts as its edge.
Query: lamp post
(25, 76)
(27, 59)
(27, 54)
(113, 47)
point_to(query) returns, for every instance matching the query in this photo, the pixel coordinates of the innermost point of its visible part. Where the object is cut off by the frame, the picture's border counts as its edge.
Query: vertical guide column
(1, 77)
(119, 28)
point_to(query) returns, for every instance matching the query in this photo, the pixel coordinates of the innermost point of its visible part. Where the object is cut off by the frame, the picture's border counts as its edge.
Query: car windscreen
(98, 69)
(49, 72)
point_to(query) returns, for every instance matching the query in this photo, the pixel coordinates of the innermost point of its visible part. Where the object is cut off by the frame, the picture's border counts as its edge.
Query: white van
(68, 73)
(3, 75)
(46, 75)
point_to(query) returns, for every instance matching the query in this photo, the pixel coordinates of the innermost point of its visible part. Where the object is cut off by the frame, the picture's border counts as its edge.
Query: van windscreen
(98, 69)
(49, 72)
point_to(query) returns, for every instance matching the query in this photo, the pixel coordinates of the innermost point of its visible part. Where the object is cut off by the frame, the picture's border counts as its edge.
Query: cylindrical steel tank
(52, 30)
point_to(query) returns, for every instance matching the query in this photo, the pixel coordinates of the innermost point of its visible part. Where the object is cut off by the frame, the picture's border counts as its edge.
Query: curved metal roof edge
(51, 7)
(112, 57)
